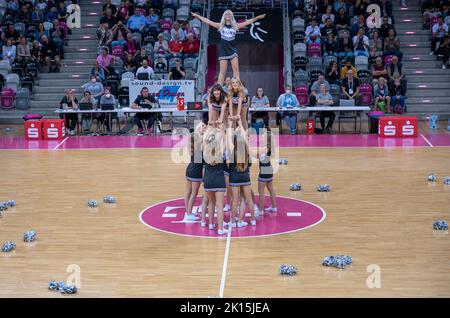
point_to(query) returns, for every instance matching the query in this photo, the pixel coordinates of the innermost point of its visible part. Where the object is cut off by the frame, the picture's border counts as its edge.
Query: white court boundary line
(58, 145)
(426, 140)
(225, 264)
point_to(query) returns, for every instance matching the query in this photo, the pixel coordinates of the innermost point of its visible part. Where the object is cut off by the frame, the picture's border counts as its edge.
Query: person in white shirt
(439, 30)
(145, 69)
(313, 32)
(361, 43)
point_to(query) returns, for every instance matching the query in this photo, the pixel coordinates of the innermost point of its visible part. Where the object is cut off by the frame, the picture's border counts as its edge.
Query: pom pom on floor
(323, 188)
(289, 270)
(447, 180)
(338, 261)
(283, 161)
(432, 177)
(92, 203)
(440, 225)
(62, 287)
(109, 199)
(295, 187)
(8, 246)
(29, 236)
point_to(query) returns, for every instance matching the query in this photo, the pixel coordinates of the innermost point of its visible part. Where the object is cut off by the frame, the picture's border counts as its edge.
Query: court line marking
(324, 215)
(294, 214)
(426, 140)
(58, 145)
(225, 265)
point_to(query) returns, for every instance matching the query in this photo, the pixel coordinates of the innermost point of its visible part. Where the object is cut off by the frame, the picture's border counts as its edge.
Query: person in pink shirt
(104, 60)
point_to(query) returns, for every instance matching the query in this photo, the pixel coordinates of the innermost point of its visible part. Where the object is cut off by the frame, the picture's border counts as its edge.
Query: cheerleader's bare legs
(205, 203)
(247, 194)
(261, 188)
(192, 189)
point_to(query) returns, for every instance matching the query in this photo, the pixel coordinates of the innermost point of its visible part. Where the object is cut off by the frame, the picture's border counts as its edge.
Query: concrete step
(47, 105)
(81, 55)
(70, 82)
(48, 97)
(77, 43)
(415, 32)
(419, 58)
(416, 51)
(422, 65)
(83, 73)
(429, 93)
(54, 90)
(425, 86)
(416, 24)
(412, 69)
(428, 79)
(413, 38)
(429, 101)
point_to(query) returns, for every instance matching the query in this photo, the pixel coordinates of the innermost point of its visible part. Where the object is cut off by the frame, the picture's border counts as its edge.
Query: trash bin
(373, 121)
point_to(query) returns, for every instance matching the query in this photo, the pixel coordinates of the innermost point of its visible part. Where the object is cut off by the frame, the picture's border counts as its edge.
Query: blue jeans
(401, 101)
(291, 120)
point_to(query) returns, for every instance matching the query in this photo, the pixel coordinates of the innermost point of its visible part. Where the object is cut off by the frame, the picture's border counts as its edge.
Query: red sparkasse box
(54, 128)
(388, 126)
(408, 126)
(310, 127)
(180, 103)
(33, 129)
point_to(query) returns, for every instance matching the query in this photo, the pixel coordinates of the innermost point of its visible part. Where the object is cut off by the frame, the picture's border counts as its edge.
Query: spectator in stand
(439, 31)
(328, 28)
(361, 23)
(359, 8)
(131, 46)
(86, 119)
(37, 16)
(36, 52)
(392, 45)
(151, 21)
(386, 8)
(444, 50)
(23, 50)
(98, 72)
(361, 43)
(375, 46)
(378, 71)
(325, 99)
(315, 89)
(118, 40)
(145, 68)
(342, 20)
(104, 60)
(109, 18)
(126, 10)
(129, 64)
(332, 73)
(345, 46)
(109, 5)
(104, 34)
(312, 9)
(41, 5)
(175, 47)
(348, 67)
(107, 99)
(384, 28)
(397, 97)
(177, 72)
(430, 8)
(395, 72)
(382, 98)
(136, 22)
(51, 15)
(338, 5)
(260, 101)
(313, 32)
(330, 46)
(188, 29)
(144, 100)
(24, 14)
(160, 65)
(13, 5)
(141, 57)
(62, 12)
(350, 88)
(177, 30)
(120, 31)
(161, 46)
(9, 51)
(286, 101)
(69, 101)
(328, 15)
(95, 88)
(57, 33)
(50, 54)
(11, 34)
(190, 46)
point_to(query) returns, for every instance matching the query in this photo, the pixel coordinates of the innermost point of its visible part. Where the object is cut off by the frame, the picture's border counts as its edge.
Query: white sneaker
(232, 224)
(253, 222)
(444, 67)
(226, 208)
(212, 226)
(431, 53)
(242, 224)
(272, 210)
(258, 212)
(190, 217)
(222, 232)
(203, 224)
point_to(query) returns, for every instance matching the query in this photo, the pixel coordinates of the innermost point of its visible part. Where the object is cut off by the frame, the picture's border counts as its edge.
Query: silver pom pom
(323, 188)
(338, 261)
(56, 286)
(289, 270)
(29, 236)
(440, 225)
(109, 199)
(8, 246)
(295, 187)
(432, 177)
(447, 180)
(3, 206)
(62, 287)
(68, 289)
(92, 203)
(283, 161)
(10, 203)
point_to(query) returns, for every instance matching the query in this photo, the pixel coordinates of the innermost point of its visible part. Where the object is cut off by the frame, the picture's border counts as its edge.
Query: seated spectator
(328, 15)
(190, 46)
(315, 89)
(131, 46)
(313, 32)
(430, 8)
(109, 18)
(395, 72)
(359, 24)
(145, 69)
(332, 73)
(342, 20)
(175, 48)
(104, 34)
(350, 88)
(138, 59)
(444, 50)
(392, 45)
(104, 60)
(330, 46)
(126, 10)
(397, 97)
(151, 21)
(24, 14)
(188, 29)
(121, 29)
(339, 5)
(384, 28)
(286, 101)
(375, 46)
(40, 31)
(9, 51)
(86, 119)
(386, 8)
(177, 72)
(51, 15)
(439, 31)
(311, 9)
(50, 54)
(13, 6)
(136, 22)
(41, 5)
(260, 101)
(348, 66)
(11, 34)
(361, 43)
(118, 40)
(144, 100)
(107, 99)
(161, 46)
(345, 46)
(98, 72)
(69, 101)
(23, 50)
(328, 28)
(109, 5)
(62, 12)
(359, 8)
(129, 65)
(160, 65)
(378, 71)
(177, 30)
(37, 16)
(382, 98)
(94, 87)
(325, 99)
(36, 52)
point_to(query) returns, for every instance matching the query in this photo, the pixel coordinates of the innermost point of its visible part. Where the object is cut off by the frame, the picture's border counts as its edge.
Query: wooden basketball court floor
(380, 211)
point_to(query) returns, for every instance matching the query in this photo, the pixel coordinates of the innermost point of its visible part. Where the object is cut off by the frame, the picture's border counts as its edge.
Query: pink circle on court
(292, 215)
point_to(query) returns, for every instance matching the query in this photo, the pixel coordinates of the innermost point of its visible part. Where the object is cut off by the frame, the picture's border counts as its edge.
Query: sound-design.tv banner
(167, 92)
